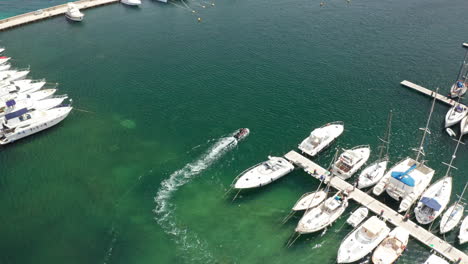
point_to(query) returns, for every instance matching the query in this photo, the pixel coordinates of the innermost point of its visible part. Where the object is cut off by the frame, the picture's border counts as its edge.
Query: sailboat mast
(453, 156)
(460, 73)
(386, 139)
(421, 146)
(461, 195)
(390, 115)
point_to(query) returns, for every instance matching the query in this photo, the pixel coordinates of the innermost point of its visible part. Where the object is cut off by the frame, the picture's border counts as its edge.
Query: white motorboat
(451, 217)
(2, 49)
(392, 247)
(358, 216)
(263, 173)
(5, 67)
(434, 259)
(350, 161)
(372, 174)
(323, 215)
(458, 89)
(310, 200)
(35, 96)
(26, 123)
(13, 75)
(434, 201)
(131, 2)
(455, 115)
(73, 13)
(10, 107)
(463, 235)
(22, 86)
(408, 179)
(464, 126)
(320, 138)
(4, 59)
(362, 240)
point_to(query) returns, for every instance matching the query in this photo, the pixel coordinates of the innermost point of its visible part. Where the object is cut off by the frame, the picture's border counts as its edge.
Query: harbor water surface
(138, 172)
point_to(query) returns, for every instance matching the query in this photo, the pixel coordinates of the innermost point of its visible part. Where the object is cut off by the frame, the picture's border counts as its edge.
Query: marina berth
(357, 216)
(73, 13)
(310, 200)
(350, 161)
(463, 235)
(434, 259)
(263, 173)
(321, 138)
(362, 240)
(323, 215)
(392, 247)
(451, 217)
(455, 115)
(25, 123)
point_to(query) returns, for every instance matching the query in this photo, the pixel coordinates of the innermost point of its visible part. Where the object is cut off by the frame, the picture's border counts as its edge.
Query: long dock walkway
(417, 232)
(48, 12)
(431, 93)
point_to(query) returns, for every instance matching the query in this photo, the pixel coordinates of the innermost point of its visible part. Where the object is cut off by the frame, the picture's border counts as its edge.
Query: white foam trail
(188, 241)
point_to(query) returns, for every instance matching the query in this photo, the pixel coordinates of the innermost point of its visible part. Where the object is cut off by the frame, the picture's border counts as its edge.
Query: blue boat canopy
(12, 115)
(404, 177)
(459, 84)
(10, 103)
(432, 203)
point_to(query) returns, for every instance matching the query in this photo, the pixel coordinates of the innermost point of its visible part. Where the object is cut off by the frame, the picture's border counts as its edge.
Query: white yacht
(310, 200)
(2, 49)
(13, 75)
(392, 247)
(131, 2)
(408, 179)
(458, 89)
(22, 86)
(10, 107)
(323, 215)
(321, 138)
(25, 123)
(434, 201)
(362, 240)
(73, 13)
(4, 59)
(455, 115)
(350, 161)
(358, 216)
(434, 259)
(5, 67)
(463, 235)
(263, 173)
(35, 96)
(451, 217)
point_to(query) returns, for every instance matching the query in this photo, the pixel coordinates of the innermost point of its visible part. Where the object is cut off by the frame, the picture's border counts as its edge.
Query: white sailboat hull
(463, 235)
(372, 174)
(455, 115)
(319, 218)
(440, 191)
(451, 218)
(434, 259)
(464, 125)
(310, 200)
(456, 92)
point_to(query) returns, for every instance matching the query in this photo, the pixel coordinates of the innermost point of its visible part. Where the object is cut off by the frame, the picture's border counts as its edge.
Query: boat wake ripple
(188, 241)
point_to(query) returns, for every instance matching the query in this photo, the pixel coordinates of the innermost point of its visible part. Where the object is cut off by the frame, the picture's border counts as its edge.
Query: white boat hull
(319, 218)
(131, 2)
(440, 191)
(372, 174)
(392, 247)
(455, 115)
(313, 145)
(456, 92)
(363, 152)
(451, 218)
(463, 235)
(5, 67)
(464, 125)
(263, 173)
(357, 216)
(310, 200)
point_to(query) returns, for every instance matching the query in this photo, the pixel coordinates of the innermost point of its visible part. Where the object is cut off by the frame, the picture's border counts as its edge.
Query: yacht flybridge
(350, 161)
(408, 179)
(320, 138)
(263, 173)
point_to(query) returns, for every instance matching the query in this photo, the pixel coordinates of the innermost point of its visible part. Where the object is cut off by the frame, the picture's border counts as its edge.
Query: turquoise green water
(140, 179)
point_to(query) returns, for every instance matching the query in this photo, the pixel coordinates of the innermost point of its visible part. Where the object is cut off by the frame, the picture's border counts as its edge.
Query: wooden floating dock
(37, 15)
(431, 93)
(417, 232)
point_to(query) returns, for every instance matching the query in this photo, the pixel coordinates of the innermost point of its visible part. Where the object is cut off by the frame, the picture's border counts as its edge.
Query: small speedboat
(358, 216)
(5, 67)
(455, 115)
(434, 201)
(131, 2)
(4, 59)
(434, 259)
(458, 89)
(362, 240)
(372, 174)
(392, 247)
(323, 215)
(463, 235)
(451, 217)
(310, 200)
(321, 138)
(241, 134)
(73, 13)
(264, 173)
(350, 161)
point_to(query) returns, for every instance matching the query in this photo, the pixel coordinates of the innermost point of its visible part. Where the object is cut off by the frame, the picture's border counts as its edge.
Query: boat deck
(417, 232)
(48, 12)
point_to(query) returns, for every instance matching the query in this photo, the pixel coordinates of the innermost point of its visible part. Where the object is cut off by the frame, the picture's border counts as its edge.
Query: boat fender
(450, 132)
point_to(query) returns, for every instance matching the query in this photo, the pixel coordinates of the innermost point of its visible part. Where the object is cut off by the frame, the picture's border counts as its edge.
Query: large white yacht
(362, 240)
(408, 179)
(22, 86)
(392, 247)
(434, 259)
(263, 173)
(11, 106)
(350, 161)
(320, 138)
(24, 123)
(323, 215)
(73, 13)
(434, 201)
